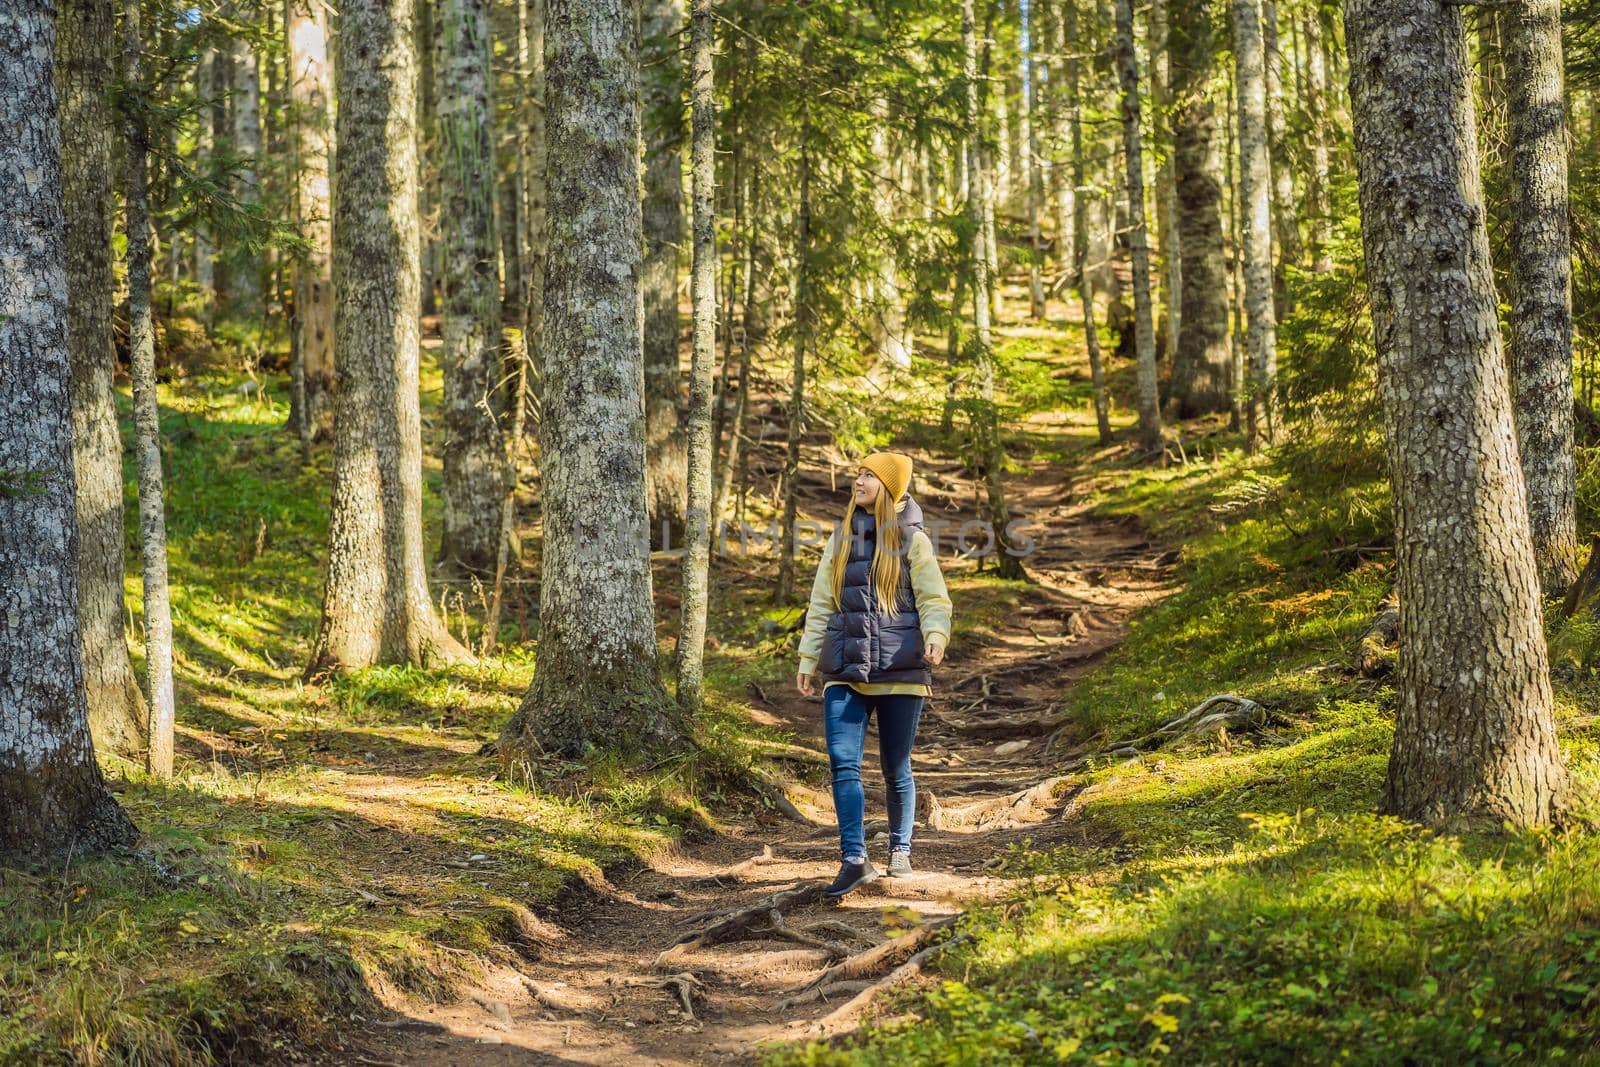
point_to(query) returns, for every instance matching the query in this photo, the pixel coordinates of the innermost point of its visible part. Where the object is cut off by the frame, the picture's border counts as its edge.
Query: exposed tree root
(778, 793)
(685, 984)
(846, 976)
(1200, 719)
(759, 920)
(852, 1009)
(1011, 810)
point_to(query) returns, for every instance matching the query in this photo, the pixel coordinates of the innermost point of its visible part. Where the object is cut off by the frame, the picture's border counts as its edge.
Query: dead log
(1373, 651)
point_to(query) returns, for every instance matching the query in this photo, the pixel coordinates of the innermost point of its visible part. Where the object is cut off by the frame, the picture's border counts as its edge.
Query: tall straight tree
(985, 419)
(597, 681)
(247, 274)
(1144, 331)
(1318, 196)
(703, 283)
(1074, 46)
(1200, 369)
(537, 197)
(474, 448)
(51, 792)
(146, 414)
(1541, 275)
(666, 470)
(1286, 221)
(85, 38)
(803, 314)
(310, 94)
(1474, 731)
(1255, 220)
(1032, 117)
(375, 603)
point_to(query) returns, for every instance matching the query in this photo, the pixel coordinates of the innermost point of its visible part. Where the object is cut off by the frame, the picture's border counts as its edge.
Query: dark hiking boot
(851, 876)
(900, 863)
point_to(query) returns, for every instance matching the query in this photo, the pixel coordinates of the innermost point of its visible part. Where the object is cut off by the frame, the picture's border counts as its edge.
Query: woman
(879, 620)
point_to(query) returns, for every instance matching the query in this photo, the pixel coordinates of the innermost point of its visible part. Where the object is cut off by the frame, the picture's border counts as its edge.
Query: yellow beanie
(892, 469)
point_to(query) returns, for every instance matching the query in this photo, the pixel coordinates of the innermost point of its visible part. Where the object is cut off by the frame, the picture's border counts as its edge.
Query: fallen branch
(684, 984)
(984, 814)
(1373, 650)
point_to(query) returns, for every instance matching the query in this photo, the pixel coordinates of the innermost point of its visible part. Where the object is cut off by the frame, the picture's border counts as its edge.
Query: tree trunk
(1200, 370)
(597, 682)
(985, 420)
(1541, 271)
(310, 93)
(473, 447)
(537, 194)
(247, 276)
(734, 457)
(1474, 732)
(86, 36)
(205, 253)
(1166, 185)
(1286, 219)
(1318, 205)
(666, 469)
(697, 536)
(1062, 194)
(1255, 221)
(1080, 230)
(51, 791)
(1144, 331)
(893, 340)
(375, 606)
(797, 379)
(146, 416)
(1036, 296)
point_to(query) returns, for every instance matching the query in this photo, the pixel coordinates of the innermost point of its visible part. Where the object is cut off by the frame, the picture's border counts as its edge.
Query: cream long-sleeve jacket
(933, 610)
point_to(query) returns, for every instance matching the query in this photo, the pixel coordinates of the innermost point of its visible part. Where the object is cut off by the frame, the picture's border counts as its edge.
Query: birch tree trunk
(597, 681)
(375, 605)
(310, 94)
(734, 456)
(51, 792)
(1144, 331)
(697, 536)
(205, 253)
(474, 448)
(86, 36)
(1036, 296)
(1200, 370)
(1080, 229)
(146, 415)
(666, 471)
(1474, 732)
(247, 278)
(986, 419)
(1255, 221)
(1061, 193)
(1541, 272)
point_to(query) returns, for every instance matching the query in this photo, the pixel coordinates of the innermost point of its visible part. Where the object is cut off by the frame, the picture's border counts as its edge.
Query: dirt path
(596, 995)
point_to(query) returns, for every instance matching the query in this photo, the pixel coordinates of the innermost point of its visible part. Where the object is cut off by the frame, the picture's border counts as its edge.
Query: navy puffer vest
(861, 644)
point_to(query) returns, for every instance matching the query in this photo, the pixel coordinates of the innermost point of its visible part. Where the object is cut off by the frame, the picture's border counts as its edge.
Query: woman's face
(866, 488)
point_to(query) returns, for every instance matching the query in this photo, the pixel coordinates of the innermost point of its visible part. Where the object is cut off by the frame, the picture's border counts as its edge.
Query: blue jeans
(845, 713)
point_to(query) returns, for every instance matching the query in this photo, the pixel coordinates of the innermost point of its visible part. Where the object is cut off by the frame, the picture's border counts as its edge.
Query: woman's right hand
(803, 683)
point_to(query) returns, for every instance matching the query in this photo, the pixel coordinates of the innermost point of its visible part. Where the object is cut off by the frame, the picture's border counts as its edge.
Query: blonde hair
(885, 558)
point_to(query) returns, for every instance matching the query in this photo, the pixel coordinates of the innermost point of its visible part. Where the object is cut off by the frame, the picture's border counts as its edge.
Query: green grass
(1238, 900)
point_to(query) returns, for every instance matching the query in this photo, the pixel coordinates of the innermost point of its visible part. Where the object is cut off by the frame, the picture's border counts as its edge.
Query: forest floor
(612, 981)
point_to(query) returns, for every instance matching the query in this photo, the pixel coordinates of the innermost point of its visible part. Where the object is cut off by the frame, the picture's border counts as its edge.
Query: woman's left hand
(934, 654)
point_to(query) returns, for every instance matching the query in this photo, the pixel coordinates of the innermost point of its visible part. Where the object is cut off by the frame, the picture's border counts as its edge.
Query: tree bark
(666, 470)
(1080, 229)
(985, 419)
(1474, 731)
(247, 277)
(473, 447)
(1286, 220)
(597, 682)
(1166, 186)
(146, 415)
(1061, 193)
(375, 606)
(538, 198)
(86, 37)
(1200, 371)
(892, 339)
(697, 537)
(1541, 273)
(1255, 218)
(797, 375)
(205, 253)
(1036, 295)
(1318, 205)
(310, 94)
(1138, 238)
(51, 792)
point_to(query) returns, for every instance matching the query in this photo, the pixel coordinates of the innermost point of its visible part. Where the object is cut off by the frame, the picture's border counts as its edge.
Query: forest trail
(601, 987)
